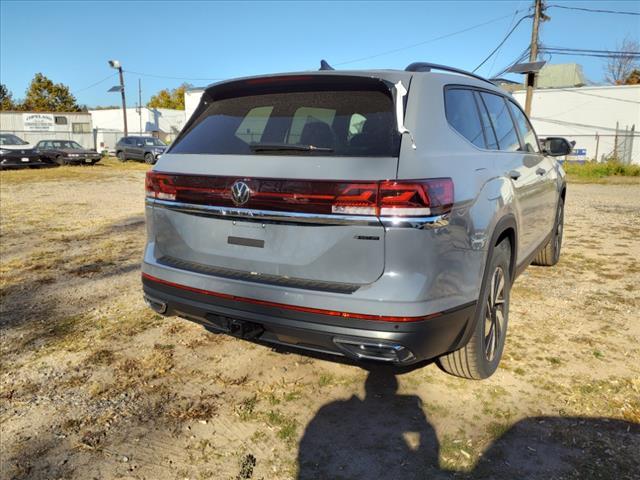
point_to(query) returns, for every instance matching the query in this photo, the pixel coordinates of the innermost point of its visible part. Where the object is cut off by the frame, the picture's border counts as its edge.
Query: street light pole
(116, 64)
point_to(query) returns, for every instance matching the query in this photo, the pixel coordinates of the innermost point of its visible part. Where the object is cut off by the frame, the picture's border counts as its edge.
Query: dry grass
(108, 167)
(94, 375)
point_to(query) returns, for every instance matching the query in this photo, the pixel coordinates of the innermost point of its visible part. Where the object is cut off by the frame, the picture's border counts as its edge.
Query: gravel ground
(94, 385)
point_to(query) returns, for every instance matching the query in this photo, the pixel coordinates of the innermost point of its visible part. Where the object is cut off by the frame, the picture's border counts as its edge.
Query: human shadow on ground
(386, 435)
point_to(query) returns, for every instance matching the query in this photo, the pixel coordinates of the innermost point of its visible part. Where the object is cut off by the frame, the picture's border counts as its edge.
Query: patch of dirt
(95, 385)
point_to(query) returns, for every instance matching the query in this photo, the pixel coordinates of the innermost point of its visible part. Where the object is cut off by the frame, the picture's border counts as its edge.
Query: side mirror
(557, 146)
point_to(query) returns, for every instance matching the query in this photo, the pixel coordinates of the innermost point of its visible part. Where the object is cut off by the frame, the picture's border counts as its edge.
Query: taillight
(416, 197)
(395, 198)
(158, 185)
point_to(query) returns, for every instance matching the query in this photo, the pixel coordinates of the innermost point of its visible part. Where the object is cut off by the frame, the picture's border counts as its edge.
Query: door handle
(541, 171)
(514, 174)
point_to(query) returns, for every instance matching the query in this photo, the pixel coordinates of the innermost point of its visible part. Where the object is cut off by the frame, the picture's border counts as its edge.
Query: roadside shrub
(601, 169)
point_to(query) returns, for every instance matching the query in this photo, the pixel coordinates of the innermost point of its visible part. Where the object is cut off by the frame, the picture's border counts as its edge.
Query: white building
(587, 115)
(163, 123)
(35, 126)
(191, 100)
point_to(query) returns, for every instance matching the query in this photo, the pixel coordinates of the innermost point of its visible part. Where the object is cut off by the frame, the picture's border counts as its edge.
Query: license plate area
(25, 159)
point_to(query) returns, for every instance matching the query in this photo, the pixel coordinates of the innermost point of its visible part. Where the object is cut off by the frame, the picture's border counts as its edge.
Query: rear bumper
(18, 163)
(403, 342)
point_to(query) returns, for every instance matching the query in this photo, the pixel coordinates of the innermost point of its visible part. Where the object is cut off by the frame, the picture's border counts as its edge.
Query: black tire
(550, 254)
(60, 160)
(149, 158)
(121, 156)
(480, 357)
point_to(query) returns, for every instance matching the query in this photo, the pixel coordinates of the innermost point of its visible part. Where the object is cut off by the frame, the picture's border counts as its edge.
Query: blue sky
(200, 42)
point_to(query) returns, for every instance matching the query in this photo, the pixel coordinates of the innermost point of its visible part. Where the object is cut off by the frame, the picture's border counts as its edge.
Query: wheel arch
(506, 228)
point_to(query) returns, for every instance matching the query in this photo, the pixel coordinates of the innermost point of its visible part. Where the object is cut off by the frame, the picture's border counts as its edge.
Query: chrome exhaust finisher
(155, 305)
(379, 351)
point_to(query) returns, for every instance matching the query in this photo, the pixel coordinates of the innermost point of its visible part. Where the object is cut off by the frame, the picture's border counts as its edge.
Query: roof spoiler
(427, 67)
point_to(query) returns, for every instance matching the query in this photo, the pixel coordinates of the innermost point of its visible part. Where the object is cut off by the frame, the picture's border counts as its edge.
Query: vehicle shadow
(387, 435)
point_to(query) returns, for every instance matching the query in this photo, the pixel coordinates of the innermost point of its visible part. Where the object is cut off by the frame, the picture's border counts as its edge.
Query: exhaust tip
(156, 305)
(378, 351)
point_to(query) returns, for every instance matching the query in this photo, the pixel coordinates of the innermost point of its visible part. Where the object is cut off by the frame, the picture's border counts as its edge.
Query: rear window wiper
(286, 147)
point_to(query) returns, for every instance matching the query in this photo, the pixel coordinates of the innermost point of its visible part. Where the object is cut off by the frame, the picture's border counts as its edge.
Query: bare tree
(620, 66)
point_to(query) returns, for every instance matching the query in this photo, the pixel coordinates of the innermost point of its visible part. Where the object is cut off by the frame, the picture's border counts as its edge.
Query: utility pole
(116, 64)
(140, 103)
(533, 55)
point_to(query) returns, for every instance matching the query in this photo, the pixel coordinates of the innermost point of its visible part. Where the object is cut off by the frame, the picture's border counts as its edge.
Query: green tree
(6, 98)
(45, 96)
(633, 78)
(166, 98)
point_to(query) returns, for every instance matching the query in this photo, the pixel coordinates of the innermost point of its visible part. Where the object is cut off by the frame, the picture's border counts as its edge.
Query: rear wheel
(550, 254)
(149, 158)
(121, 156)
(480, 357)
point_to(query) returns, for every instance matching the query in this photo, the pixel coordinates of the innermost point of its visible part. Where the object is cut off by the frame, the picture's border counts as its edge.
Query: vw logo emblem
(240, 193)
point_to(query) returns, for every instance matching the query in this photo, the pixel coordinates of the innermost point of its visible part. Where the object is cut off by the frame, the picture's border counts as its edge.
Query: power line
(622, 52)
(596, 55)
(94, 84)
(495, 57)
(520, 58)
(593, 10)
(395, 50)
(502, 42)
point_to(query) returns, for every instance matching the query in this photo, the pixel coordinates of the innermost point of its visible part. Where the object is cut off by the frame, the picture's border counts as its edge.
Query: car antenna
(324, 65)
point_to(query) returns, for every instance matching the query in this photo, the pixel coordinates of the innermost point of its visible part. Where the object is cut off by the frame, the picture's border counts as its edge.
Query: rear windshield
(329, 122)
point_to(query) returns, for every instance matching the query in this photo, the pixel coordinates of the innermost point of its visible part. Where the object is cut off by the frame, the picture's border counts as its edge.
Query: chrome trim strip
(419, 223)
(269, 216)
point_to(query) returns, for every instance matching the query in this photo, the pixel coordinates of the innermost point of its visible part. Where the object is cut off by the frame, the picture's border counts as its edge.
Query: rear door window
(502, 122)
(333, 122)
(462, 115)
(527, 134)
(487, 127)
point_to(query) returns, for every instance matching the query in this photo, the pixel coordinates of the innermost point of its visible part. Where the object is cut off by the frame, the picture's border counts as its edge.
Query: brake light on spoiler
(388, 198)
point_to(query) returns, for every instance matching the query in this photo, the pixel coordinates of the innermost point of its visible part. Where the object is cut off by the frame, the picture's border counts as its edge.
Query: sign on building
(578, 154)
(38, 122)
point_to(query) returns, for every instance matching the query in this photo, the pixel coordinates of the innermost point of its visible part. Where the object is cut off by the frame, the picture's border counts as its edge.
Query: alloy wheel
(494, 322)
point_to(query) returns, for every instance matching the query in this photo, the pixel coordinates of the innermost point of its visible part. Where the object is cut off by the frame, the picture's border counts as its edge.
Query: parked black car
(16, 153)
(140, 148)
(66, 152)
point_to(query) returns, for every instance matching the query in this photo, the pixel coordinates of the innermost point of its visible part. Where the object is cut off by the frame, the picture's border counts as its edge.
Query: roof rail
(427, 67)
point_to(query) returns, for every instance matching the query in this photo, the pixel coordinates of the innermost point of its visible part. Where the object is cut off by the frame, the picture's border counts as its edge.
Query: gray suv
(148, 149)
(378, 215)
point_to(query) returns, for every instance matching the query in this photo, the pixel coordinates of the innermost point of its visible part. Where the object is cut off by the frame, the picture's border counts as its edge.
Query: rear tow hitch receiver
(244, 329)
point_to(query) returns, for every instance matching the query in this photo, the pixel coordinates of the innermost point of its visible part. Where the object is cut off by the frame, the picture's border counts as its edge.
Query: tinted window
(502, 122)
(526, 130)
(9, 139)
(311, 118)
(487, 127)
(462, 115)
(155, 142)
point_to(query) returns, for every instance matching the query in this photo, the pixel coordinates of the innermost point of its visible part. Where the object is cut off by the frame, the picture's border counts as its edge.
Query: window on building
(59, 120)
(462, 114)
(502, 122)
(81, 127)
